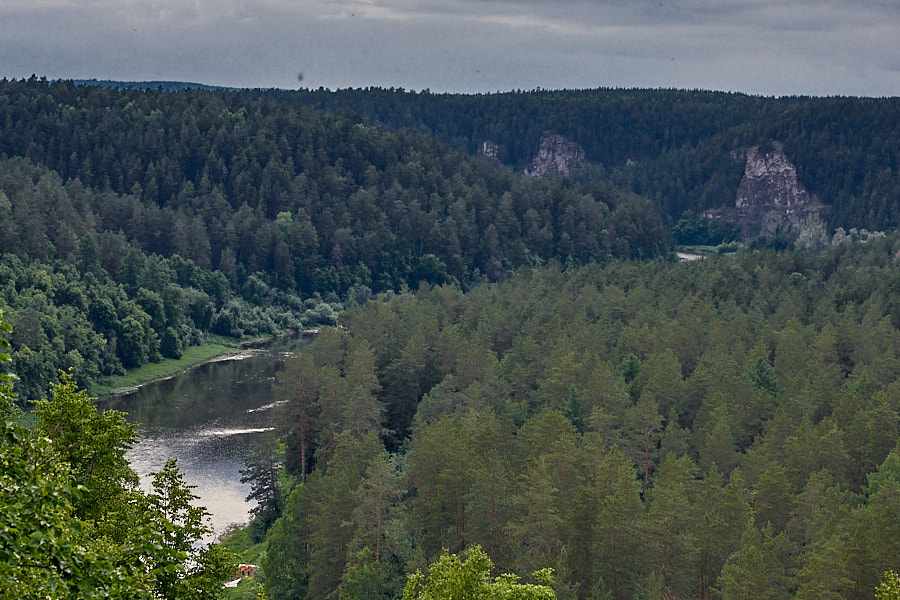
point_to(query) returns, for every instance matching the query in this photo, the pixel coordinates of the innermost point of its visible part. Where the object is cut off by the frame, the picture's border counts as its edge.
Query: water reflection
(208, 418)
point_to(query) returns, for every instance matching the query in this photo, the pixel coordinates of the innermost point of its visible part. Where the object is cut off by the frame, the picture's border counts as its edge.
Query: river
(208, 418)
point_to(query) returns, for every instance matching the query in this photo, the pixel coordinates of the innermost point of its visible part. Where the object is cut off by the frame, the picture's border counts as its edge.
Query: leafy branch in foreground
(75, 524)
(889, 588)
(470, 579)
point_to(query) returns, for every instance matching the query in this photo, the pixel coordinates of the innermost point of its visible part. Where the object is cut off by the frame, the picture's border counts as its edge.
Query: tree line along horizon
(520, 366)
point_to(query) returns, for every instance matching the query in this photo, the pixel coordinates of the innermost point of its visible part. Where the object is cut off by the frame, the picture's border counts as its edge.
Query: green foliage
(888, 472)
(64, 319)
(674, 146)
(754, 388)
(287, 549)
(695, 230)
(261, 471)
(45, 549)
(889, 588)
(8, 407)
(158, 218)
(98, 303)
(758, 569)
(339, 206)
(470, 579)
(170, 345)
(365, 579)
(74, 523)
(181, 568)
(629, 423)
(93, 445)
(763, 376)
(629, 368)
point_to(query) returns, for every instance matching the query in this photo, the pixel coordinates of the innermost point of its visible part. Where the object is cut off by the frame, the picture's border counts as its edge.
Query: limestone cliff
(769, 191)
(489, 149)
(770, 180)
(556, 156)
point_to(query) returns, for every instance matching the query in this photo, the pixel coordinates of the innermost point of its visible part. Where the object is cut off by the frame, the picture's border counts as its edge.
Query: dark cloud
(757, 46)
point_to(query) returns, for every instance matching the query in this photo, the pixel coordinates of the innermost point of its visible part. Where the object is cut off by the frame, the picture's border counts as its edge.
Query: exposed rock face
(769, 192)
(770, 180)
(490, 149)
(556, 156)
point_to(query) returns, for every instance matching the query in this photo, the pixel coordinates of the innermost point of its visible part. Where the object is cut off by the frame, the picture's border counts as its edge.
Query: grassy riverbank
(195, 355)
(698, 250)
(241, 543)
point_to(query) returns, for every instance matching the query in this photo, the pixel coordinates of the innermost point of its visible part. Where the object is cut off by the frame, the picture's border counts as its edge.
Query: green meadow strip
(192, 356)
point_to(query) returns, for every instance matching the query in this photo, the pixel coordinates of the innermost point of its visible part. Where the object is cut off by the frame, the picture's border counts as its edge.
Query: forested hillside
(518, 364)
(85, 296)
(673, 146)
(317, 202)
(142, 220)
(725, 428)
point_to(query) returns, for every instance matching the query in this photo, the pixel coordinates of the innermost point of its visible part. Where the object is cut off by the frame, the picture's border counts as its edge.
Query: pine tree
(758, 569)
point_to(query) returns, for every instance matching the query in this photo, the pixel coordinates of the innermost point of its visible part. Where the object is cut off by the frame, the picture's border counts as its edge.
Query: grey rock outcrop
(489, 149)
(769, 192)
(556, 156)
(770, 180)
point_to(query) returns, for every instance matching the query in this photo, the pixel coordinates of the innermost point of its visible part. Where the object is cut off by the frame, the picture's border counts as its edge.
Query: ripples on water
(265, 407)
(208, 418)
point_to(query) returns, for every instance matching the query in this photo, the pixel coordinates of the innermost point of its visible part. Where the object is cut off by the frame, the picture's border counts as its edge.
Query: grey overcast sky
(768, 47)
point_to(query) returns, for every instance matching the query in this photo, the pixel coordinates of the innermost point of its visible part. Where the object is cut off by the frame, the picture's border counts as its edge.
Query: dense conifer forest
(197, 212)
(511, 370)
(725, 428)
(676, 147)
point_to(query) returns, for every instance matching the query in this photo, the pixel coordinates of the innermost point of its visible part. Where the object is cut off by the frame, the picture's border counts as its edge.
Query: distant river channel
(208, 418)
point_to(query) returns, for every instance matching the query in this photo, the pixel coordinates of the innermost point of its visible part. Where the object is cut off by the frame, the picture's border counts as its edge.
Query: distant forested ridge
(676, 147)
(318, 202)
(225, 213)
(719, 429)
(169, 86)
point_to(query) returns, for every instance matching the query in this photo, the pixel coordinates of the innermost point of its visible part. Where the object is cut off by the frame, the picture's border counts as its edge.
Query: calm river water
(208, 418)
